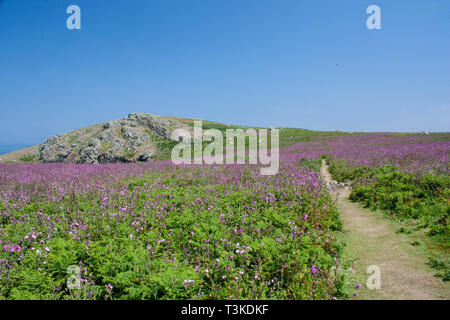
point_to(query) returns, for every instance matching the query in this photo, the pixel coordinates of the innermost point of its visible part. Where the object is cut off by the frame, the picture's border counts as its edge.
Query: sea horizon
(7, 148)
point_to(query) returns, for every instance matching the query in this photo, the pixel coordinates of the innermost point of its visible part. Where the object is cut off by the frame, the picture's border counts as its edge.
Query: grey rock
(333, 184)
(54, 150)
(146, 156)
(89, 155)
(162, 127)
(112, 141)
(134, 137)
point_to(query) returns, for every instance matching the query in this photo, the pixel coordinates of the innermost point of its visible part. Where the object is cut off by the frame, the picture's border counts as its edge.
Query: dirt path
(371, 240)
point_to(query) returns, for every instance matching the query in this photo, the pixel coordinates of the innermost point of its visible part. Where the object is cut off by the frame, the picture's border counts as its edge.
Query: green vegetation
(73, 139)
(442, 268)
(128, 154)
(313, 164)
(28, 158)
(163, 146)
(342, 172)
(106, 146)
(120, 132)
(405, 197)
(206, 232)
(289, 136)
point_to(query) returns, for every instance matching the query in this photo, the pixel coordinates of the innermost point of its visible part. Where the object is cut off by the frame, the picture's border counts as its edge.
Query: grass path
(371, 240)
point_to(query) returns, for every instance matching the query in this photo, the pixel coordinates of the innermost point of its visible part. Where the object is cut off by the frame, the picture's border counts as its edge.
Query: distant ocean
(7, 148)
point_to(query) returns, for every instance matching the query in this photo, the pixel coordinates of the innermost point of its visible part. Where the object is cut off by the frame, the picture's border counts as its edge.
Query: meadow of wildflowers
(161, 231)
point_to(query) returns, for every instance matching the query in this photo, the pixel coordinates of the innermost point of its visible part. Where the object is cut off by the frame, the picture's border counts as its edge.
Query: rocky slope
(130, 139)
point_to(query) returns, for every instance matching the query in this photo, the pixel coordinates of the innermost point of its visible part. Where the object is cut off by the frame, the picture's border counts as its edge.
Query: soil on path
(371, 239)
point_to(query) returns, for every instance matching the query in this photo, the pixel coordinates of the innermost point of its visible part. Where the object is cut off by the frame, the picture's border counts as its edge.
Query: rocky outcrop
(146, 156)
(55, 150)
(125, 140)
(336, 185)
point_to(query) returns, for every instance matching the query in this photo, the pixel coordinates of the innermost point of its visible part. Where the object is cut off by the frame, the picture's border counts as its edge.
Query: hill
(130, 139)
(139, 137)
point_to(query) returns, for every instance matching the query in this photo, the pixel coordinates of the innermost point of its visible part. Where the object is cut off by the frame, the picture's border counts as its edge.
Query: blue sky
(254, 62)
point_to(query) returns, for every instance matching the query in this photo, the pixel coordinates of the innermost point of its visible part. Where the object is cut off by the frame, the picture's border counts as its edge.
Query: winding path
(371, 240)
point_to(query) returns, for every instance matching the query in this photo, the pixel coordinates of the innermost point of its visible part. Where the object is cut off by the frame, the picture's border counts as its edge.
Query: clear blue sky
(255, 62)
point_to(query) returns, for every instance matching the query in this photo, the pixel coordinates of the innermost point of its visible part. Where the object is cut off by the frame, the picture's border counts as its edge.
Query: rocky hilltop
(130, 139)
